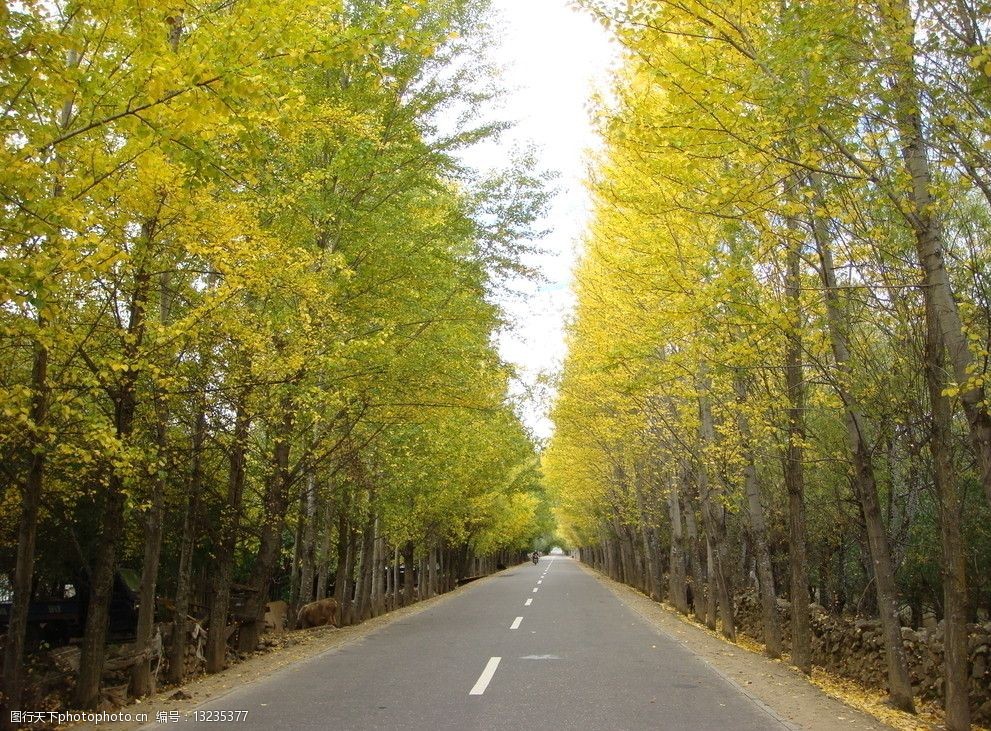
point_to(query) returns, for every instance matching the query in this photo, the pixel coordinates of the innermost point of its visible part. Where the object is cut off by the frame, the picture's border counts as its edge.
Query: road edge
(652, 612)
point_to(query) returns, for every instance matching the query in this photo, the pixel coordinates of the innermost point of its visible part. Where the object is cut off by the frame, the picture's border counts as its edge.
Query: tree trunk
(396, 596)
(758, 530)
(442, 567)
(342, 557)
(950, 504)
(388, 587)
(183, 592)
(929, 238)
(651, 582)
(408, 550)
(309, 557)
(27, 533)
(375, 598)
(270, 545)
(794, 471)
(142, 682)
(714, 522)
(711, 603)
(864, 481)
(696, 556)
(295, 567)
(112, 520)
(230, 522)
(347, 584)
(326, 546)
(421, 583)
(365, 571)
(676, 572)
(762, 557)
(432, 571)
(101, 589)
(627, 574)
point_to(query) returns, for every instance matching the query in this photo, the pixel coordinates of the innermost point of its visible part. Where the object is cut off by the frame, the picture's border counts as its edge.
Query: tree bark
(793, 467)
(652, 573)
(142, 682)
(676, 573)
(366, 570)
(863, 478)
(378, 559)
(711, 603)
(230, 521)
(296, 566)
(758, 530)
(949, 503)
(27, 533)
(326, 541)
(342, 554)
(396, 596)
(388, 567)
(309, 558)
(696, 558)
(112, 519)
(408, 585)
(432, 571)
(346, 573)
(714, 522)
(929, 237)
(270, 545)
(421, 579)
(177, 648)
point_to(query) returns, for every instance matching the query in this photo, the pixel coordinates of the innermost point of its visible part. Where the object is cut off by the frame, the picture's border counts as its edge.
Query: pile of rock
(854, 648)
(193, 659)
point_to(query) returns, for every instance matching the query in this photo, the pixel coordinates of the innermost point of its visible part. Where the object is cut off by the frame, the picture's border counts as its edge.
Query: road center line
(516, 623)
(483, 680)
(540, 581)
(534, 590)
(528, 602)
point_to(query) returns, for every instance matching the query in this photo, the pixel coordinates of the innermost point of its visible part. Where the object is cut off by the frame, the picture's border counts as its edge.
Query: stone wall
(853, 648)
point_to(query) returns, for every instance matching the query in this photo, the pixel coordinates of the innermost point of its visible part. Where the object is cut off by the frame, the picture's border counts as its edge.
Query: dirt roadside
(300, 645)
(825, 703)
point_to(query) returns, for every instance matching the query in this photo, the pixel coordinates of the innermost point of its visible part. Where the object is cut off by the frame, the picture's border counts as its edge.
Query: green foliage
(733, 131)
(258, 208)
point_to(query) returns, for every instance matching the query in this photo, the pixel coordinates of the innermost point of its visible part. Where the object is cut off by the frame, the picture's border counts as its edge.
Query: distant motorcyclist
(535, 557)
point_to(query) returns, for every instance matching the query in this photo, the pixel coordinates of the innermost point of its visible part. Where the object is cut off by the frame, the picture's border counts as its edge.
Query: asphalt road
(573, 658)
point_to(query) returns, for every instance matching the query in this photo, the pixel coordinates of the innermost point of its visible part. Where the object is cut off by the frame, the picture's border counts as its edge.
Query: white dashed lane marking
(528, 602)
(516, 623)
(486, 677)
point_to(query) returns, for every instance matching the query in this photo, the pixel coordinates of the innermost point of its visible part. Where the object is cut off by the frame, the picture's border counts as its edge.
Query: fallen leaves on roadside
(872, 701)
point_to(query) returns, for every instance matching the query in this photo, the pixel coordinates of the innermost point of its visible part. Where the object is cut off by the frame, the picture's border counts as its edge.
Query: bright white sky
(554, 59)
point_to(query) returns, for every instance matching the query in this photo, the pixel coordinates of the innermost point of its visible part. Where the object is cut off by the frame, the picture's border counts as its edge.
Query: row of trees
(247, 323)
(777, 366)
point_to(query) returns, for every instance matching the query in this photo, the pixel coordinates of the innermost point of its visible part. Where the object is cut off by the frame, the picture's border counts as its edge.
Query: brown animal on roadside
(318, 614)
